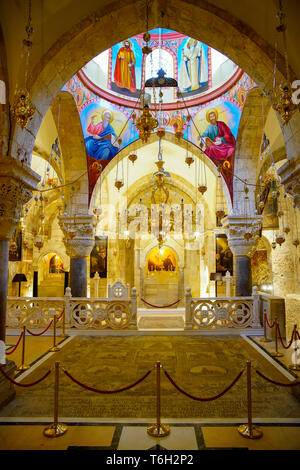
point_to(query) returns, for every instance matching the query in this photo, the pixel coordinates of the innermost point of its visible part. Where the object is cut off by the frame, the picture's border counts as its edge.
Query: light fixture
(22, 109)
(282, 96)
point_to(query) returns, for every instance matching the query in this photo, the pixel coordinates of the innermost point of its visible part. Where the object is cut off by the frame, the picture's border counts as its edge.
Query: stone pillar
(35, 284)
(79, 241)
(238, 228)
(289, 174)
(17, 182)
(96, 284)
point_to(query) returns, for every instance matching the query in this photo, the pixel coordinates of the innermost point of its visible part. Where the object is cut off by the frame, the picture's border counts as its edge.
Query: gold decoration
(296, 242)
(247, 235)
(119, 184)
(287, 229)
(160, 132)
(22, 109)
(282, 102)
(132, 157)
(189, 160)
(146, 123)
(220, 213)
(178, 134)
(202, 189)
(146, 50)
(273, 244)
(280, 213)
(280, 239)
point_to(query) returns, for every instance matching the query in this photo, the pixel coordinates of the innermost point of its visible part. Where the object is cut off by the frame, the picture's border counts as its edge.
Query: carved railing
(217, 312)
(117, 311)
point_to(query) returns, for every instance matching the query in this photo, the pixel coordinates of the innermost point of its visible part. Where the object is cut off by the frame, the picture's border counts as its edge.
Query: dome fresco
(107, 92)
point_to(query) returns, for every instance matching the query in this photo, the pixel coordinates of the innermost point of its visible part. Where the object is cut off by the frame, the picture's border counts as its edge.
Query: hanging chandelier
(146, 123)
(22, 109)
(282, 96)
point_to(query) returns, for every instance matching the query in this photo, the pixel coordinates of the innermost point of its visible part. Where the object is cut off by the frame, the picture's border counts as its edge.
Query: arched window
(159, 58)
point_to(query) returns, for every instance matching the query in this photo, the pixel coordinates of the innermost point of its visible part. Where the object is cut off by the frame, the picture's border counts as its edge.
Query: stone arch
(138, 144)
(219, 29)
(74, 162)
(248, 145)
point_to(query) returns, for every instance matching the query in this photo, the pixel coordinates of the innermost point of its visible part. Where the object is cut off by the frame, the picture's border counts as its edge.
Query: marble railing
(217, 312)
(118, 311)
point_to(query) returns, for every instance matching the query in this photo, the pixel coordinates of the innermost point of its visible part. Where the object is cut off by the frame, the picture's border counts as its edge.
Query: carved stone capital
(78, 234)
(239, 229)
(17, 182)
(289, 174)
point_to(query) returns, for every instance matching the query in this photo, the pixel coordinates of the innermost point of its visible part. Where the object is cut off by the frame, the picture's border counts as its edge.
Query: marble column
(238, 228)
(17, 181)
(79, 241)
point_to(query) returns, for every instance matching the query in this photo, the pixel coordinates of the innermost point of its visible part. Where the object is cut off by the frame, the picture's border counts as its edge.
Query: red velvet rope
(58, 318)
(291, 341)
(277, 383)
(15, 347)
(208, 398)
(106, 391)
(160, 306)
(24, 385)
(270, 326)
(40, 334)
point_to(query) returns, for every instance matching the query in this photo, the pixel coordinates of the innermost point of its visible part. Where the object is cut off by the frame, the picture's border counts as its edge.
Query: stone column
(17, 182)
(238, 228)
(289, 174)
(79, 241)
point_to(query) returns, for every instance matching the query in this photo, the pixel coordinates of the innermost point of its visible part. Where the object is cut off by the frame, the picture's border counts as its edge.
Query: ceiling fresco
(107, 92)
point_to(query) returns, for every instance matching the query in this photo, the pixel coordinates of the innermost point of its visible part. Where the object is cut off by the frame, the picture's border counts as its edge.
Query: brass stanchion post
(295, 365)
(276, 353)
(265, 339)
(249, 430)
(23, 366)
(158, 429)
(63, 334)
(54, 347)
(56, 429)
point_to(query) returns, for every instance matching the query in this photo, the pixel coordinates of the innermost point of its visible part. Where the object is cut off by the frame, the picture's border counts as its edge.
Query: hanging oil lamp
(133, 157)
(202, 189)
(119, 184)
(280, 239)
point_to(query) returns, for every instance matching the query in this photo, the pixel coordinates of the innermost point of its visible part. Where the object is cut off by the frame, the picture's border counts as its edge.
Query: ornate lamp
(22, 109)
(282, 97)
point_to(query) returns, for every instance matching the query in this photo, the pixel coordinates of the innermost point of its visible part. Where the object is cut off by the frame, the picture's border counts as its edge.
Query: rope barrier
(270, 326)
(280, 337)
(207, 398)
(24, 385)
(106, 391)
(61, 314)
(15, 347)
(40, 334)
(274, 381)
(160, 306)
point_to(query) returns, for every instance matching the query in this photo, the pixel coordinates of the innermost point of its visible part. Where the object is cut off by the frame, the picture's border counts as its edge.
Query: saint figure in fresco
(102, 143)
(124, 75)
(193, 70)
(220, 142)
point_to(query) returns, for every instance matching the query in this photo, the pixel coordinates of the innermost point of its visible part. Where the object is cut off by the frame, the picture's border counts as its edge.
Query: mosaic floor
(203, 366)
(134, 437)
